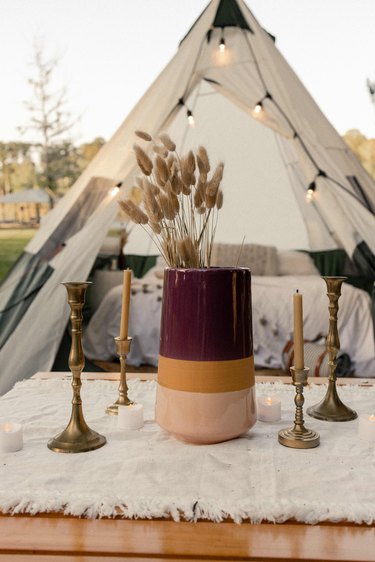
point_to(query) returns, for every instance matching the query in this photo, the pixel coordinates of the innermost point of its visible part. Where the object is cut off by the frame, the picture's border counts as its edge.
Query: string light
(258, 108)
(189, 113)
(310, 192)
(114, 191)
(222, 45)
(190, 118)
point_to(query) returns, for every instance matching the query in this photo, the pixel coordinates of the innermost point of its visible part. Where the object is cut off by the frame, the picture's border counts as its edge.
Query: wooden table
(54, 537)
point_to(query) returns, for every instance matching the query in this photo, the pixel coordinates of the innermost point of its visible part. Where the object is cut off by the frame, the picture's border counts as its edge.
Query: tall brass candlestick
(331, 408)
(77, 437)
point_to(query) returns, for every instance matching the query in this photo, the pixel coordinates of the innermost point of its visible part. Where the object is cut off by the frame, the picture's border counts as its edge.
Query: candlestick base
(307, 439)
(122, 350)
(298, 436)
(331, 408)
(77, 437)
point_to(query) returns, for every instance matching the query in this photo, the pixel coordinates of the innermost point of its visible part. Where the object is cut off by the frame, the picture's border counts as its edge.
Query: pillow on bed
(261, 260)
(292, 262)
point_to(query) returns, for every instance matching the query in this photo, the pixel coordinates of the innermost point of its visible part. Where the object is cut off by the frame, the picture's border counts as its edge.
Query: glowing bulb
(222, 46)
(258, 108)
(190, 118)
(114, 191)
(309, 195)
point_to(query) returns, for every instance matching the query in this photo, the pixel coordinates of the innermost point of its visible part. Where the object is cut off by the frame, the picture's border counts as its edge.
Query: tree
(17, 169)
(363, 148)
(50, 121)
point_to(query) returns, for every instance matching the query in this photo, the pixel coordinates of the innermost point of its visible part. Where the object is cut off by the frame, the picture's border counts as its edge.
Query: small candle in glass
(269, 408)
(130, 417)
(11, 438)
(366, 428)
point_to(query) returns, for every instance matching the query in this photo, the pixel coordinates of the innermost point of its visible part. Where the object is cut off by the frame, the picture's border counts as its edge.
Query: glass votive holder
(269, 408)
(366, 427)
(130, 417)
(11, 437)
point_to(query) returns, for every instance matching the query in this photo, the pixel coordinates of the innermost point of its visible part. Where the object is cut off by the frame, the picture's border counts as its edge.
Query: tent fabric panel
(30, 274)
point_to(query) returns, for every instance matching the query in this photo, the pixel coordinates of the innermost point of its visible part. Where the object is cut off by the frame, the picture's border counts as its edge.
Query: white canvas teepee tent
(300, 146)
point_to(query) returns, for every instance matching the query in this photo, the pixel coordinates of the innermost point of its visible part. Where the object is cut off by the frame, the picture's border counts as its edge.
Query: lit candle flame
(372, 418)
(8, 427)
(269, 400)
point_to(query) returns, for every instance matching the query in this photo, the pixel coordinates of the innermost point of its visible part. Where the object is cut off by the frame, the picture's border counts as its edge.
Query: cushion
(261, 260)
(292, 262)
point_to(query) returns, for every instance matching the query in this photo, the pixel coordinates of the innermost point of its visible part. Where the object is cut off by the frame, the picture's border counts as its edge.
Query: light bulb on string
(190, 118)
(310, 192)
(222, 45)
(258, 109)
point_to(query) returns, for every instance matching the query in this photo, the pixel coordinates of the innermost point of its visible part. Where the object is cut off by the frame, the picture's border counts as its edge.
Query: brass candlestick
(122, 350)
(331, 408)
(77, 437)
(298, 436)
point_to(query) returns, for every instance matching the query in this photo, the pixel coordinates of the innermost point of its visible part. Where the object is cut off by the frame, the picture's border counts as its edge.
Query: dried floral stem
(180, 203)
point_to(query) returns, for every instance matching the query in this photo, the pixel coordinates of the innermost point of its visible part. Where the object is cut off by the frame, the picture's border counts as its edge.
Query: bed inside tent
(251, 112)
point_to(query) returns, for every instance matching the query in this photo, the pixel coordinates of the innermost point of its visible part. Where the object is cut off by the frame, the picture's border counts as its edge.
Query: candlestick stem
(331, 408)
(298, 436)
(77, 437)
(122, 349)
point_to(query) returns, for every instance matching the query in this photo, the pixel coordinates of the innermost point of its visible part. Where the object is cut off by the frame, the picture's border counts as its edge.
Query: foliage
(12, 242)
(363, 148)
(49, 121)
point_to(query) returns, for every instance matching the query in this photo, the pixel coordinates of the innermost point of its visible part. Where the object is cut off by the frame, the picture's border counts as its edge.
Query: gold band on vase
(206, 376)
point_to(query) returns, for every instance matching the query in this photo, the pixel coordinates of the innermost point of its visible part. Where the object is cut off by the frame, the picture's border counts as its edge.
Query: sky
(111, 51)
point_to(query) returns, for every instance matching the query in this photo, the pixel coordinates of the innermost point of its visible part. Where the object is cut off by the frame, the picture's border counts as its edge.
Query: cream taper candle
(125, 304)
(299, 360)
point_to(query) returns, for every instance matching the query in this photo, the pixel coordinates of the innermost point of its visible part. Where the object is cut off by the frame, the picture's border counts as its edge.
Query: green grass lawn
(12, 242)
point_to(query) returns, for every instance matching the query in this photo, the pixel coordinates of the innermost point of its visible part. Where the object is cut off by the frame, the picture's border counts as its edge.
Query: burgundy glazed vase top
(206, 369)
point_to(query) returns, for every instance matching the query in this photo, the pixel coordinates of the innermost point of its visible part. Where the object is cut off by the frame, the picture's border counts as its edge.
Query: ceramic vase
(206, 383)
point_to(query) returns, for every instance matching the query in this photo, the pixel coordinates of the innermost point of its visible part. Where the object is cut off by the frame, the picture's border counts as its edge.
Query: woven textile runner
(147, 473)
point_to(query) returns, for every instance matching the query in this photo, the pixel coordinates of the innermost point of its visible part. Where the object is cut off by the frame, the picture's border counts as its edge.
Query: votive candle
(366, 427)
(130, 417)
(269, 408)
(11, 437)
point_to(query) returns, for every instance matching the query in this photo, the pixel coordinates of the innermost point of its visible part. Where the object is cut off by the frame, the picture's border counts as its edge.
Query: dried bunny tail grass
(143, 135)
(213, 184)
(171, 162)
(152, 207)
(201, 210)
(167, 206)
(203, 156)
(133, 212)
(176, 184)
(147, 185)
(161, 169)
(198, 198)
(210, 201)
(139, 181)
(190, 162)
(188, 252)
(175, 202)
(168, 142)
(143, 160)
(219, 199)
(155, 227)
(160, 150)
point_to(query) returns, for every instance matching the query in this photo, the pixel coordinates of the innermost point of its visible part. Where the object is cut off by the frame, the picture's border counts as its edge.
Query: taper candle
(125, 304)
(299, 360)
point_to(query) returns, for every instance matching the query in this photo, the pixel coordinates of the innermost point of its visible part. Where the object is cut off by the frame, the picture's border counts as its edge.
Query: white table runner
(148, 473)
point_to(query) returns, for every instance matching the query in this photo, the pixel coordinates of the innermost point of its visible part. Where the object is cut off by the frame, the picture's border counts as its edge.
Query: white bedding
(272, 321)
